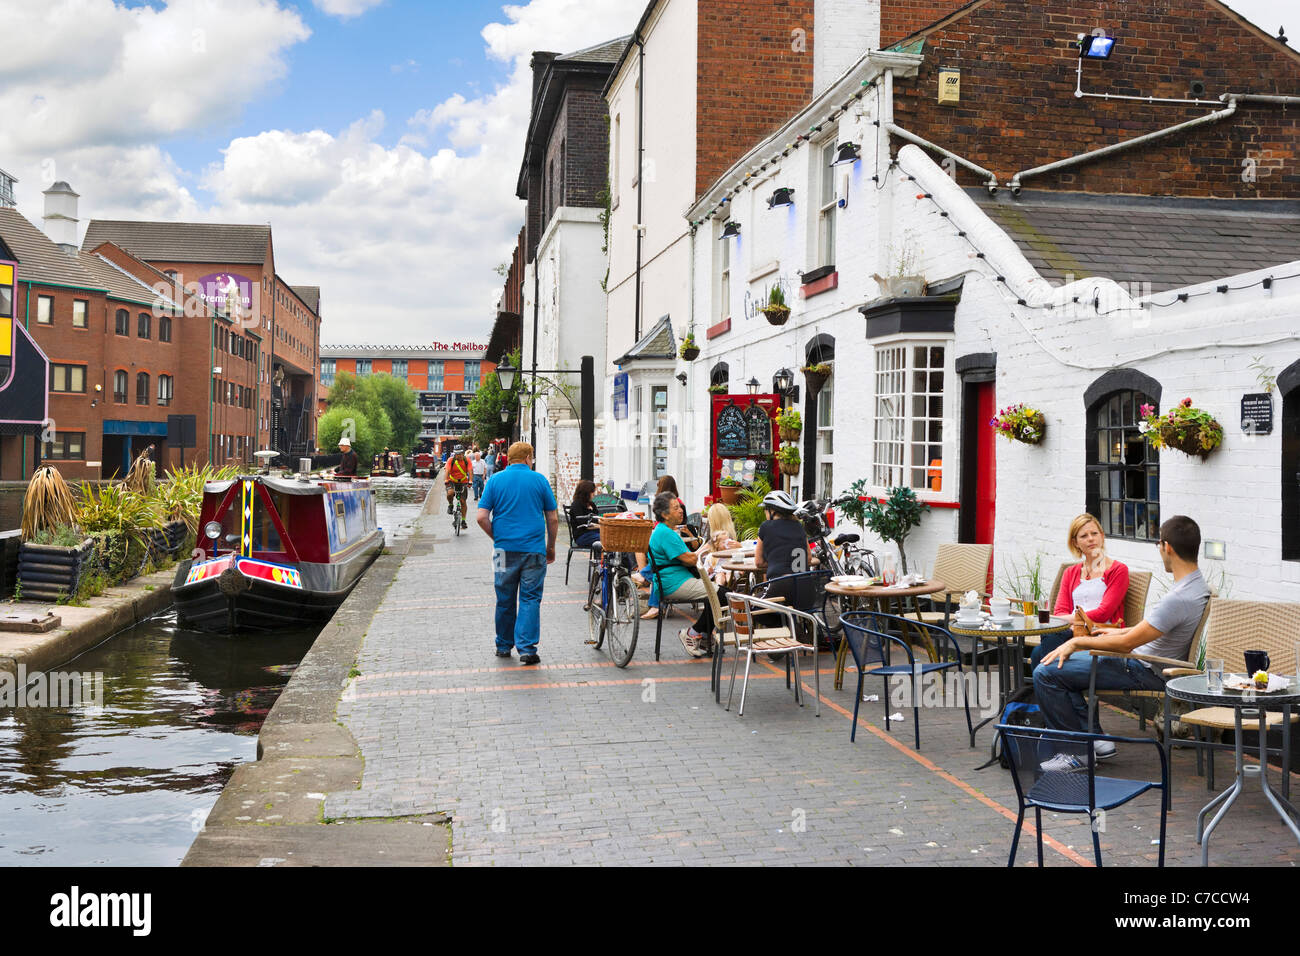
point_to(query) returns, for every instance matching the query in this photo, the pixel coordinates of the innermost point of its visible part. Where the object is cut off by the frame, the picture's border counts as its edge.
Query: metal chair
(869, 637)
(771, 641)
(665, 603)
(1048, 767)
(805, 591)
(574, 534)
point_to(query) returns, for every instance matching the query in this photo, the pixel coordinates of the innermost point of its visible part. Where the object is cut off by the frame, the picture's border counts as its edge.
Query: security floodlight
(848, 153)
(784, 196)
(730, 230)
(1096, 47)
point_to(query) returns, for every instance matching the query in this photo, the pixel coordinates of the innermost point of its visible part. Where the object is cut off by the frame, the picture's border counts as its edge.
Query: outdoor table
(1252, 705)
(884, 597)
(1012, 633)
(747, 568)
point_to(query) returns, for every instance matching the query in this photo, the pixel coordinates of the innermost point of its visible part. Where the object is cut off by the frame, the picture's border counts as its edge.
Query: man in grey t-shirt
(1063, 675)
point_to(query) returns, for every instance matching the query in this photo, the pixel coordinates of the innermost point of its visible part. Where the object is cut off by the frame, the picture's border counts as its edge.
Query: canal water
(130, 782)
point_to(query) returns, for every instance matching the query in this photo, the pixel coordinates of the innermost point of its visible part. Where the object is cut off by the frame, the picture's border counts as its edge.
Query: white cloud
(345, 9)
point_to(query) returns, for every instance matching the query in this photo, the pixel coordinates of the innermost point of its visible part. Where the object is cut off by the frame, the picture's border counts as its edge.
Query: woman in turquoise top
(677, 571)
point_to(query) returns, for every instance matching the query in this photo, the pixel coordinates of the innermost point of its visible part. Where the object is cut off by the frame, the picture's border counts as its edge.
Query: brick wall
(750, 78)
(902, 18)
(1018, 108)
(583, 130)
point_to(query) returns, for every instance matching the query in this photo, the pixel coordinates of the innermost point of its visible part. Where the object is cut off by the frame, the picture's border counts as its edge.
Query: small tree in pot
(894, 517)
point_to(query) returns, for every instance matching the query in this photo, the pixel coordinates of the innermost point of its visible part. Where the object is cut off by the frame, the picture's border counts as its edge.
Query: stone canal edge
(271, 812)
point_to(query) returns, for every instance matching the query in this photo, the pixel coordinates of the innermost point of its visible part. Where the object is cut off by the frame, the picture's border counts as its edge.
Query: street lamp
(506, 375)
(505, 415)
(752, 386)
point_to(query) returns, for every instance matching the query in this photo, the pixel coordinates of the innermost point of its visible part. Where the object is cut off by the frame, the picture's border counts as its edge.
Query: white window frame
(825, 437)
(723, 287)
(824, 235)
(893, 438)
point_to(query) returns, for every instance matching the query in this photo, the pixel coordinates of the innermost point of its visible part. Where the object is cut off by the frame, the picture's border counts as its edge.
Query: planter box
(47, 572)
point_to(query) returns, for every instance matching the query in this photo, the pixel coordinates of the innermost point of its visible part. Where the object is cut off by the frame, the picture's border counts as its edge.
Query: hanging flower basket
(815, 376)
(1184, 428)
(689, 350)
(777, 314)
(790, 434)
(789, 467)
(1020, 423)
(788, 459)
(790, 425)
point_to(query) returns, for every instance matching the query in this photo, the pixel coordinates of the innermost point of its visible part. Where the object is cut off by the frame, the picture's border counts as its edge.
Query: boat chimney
(304, 469)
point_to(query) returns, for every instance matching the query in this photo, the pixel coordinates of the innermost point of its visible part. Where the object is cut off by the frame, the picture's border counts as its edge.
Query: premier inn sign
(24, 369)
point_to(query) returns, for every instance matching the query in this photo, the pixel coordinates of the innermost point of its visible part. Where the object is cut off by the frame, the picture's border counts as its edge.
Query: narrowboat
(387, 465)
(278, 552)
(426, 465)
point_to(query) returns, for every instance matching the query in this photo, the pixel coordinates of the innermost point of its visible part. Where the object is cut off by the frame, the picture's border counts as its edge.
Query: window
(327, 372)
(45, 310)
(724, 277)
(472, 376)
(826, 204)
(79, 309)
(1123, 469)
(659, 435)
(67, 378)
(363, 367)
(119, 387)
(908, 446)
(399, 368)
(164, 328)
(435, 375)
(615, 169)
(825, 438)
(142, 388)
(66, 446)
(164, 389)
(122, 322)
(142, 325)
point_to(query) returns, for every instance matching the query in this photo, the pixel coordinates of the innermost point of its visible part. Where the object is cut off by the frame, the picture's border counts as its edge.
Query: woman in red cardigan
(1092, 592)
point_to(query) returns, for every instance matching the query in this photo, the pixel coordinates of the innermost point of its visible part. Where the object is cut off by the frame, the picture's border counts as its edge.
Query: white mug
(1000, 607)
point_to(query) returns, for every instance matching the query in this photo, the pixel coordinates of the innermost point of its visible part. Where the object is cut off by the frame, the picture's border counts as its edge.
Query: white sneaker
(1103, 748)
(1062, 763)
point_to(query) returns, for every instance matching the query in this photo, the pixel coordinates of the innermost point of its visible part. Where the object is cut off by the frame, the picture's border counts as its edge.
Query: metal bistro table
(1007, 635)
(884, 596)
(1252, 705)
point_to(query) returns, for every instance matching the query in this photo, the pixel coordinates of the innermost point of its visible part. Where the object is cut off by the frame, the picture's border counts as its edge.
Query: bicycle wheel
(622, 621)
(455, 520)
(595, 613)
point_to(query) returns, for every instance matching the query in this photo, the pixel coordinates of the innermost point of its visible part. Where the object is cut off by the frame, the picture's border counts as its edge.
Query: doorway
(978, 463)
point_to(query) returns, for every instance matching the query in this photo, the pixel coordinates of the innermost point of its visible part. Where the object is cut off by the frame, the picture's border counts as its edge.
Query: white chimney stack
(61, 216)
(843, 30)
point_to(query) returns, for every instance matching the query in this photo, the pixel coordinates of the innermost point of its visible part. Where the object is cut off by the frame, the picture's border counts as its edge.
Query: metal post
(588, 418)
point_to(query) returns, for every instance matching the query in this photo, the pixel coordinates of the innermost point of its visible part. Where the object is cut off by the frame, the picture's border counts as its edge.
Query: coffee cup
(1256, 661)
(1000, 607)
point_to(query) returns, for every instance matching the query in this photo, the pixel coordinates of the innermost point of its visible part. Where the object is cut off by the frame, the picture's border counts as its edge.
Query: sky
(380, 139)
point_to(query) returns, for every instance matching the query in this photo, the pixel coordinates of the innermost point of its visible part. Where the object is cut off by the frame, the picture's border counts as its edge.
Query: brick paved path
(577, 761)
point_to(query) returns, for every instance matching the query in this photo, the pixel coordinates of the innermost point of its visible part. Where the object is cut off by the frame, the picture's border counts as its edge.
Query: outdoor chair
(1235, 627)
(665, 605)
(805, 591)
(871, 639)
(1056, 770)
(961, 568)
(574, 534)
(1135, 604)
(750, 640)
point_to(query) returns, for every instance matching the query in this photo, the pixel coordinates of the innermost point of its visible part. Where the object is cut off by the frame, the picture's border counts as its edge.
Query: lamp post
(587, 415)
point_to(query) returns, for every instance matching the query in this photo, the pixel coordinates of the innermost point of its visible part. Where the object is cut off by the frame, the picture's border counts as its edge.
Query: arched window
(164, 389)
(142, 325)
(122, 322)
(1123, 480)
(719, 377)
(1288, 384)
(164, 328)
(142, 388)
(119, 387)
(819, 412)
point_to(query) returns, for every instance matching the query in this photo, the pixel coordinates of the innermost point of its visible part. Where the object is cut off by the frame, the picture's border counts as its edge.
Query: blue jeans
(1050, 642)
(478, 486)
(1060, 690)
(519, 576)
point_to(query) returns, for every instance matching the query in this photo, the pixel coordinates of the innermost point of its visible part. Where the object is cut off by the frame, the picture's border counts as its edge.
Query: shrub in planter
(776, 311)
(1020, 423)
(718, 389)
(790, 425)
(728, 490)
(1184, 428)
(51, 564)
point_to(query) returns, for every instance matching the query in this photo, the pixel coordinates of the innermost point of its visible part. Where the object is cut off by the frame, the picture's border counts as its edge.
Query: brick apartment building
(283, 318)
(126, 350)
(444, 378)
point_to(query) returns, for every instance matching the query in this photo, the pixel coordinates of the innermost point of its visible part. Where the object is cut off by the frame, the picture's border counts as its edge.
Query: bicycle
(613, 607)
(458, 513)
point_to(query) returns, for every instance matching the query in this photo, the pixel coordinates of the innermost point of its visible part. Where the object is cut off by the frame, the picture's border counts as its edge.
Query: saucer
(1000, 620)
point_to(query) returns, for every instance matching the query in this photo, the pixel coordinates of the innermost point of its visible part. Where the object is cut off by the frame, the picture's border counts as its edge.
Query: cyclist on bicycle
(459, 475)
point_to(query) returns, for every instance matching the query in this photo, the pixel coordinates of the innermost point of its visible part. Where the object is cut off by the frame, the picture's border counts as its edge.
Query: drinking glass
(1214, 676)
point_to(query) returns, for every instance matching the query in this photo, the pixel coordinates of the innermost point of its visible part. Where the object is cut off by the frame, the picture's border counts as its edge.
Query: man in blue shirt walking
(519, 513)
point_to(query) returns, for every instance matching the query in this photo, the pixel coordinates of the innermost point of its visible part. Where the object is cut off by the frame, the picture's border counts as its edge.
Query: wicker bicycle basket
(625, 534)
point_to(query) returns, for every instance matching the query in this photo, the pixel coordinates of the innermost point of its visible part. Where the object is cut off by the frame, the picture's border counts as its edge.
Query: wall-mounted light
(782, 381)
(506, 375)
(752, 386)
(1098, 46)
(784, 196)
(848, 153)
(730, 230)
(681, 377)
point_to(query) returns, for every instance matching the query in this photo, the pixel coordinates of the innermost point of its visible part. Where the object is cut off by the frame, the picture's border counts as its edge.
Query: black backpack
(1017, 713)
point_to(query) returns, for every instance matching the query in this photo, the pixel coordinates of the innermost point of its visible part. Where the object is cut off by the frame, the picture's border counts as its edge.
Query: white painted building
(915, 379)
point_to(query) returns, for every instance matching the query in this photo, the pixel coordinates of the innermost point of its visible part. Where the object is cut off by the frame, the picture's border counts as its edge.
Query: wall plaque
(1257, 413)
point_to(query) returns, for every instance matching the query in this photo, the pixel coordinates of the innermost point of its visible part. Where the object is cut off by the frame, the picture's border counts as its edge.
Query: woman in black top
(782, 545)
(582, 510)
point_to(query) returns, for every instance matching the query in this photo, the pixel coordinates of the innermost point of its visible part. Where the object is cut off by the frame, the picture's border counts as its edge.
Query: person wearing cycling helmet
(459, 475)
(782, 544)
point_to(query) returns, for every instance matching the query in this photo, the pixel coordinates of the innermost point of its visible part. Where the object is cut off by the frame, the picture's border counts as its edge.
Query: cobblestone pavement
(576, 761)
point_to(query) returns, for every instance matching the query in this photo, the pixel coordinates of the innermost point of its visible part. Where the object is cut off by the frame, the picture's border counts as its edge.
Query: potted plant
(816, 376)
(689, 350)
(893, 518)
(728, 490)
(904, 281)
(788, 459)
(776, 311)
(790, 424)
(1020, 423)
(719, 389)
(1185, 428)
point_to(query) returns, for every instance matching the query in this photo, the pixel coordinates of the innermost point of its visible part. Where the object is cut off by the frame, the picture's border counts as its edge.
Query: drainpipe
(1261, 98)
(27, 324)
(532, 402)
(640, 178)
(896, 130)
(1214, 117)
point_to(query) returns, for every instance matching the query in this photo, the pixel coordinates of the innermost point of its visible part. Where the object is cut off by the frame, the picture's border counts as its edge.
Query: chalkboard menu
(732, 433)
(1257, 413)
(759, 428)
